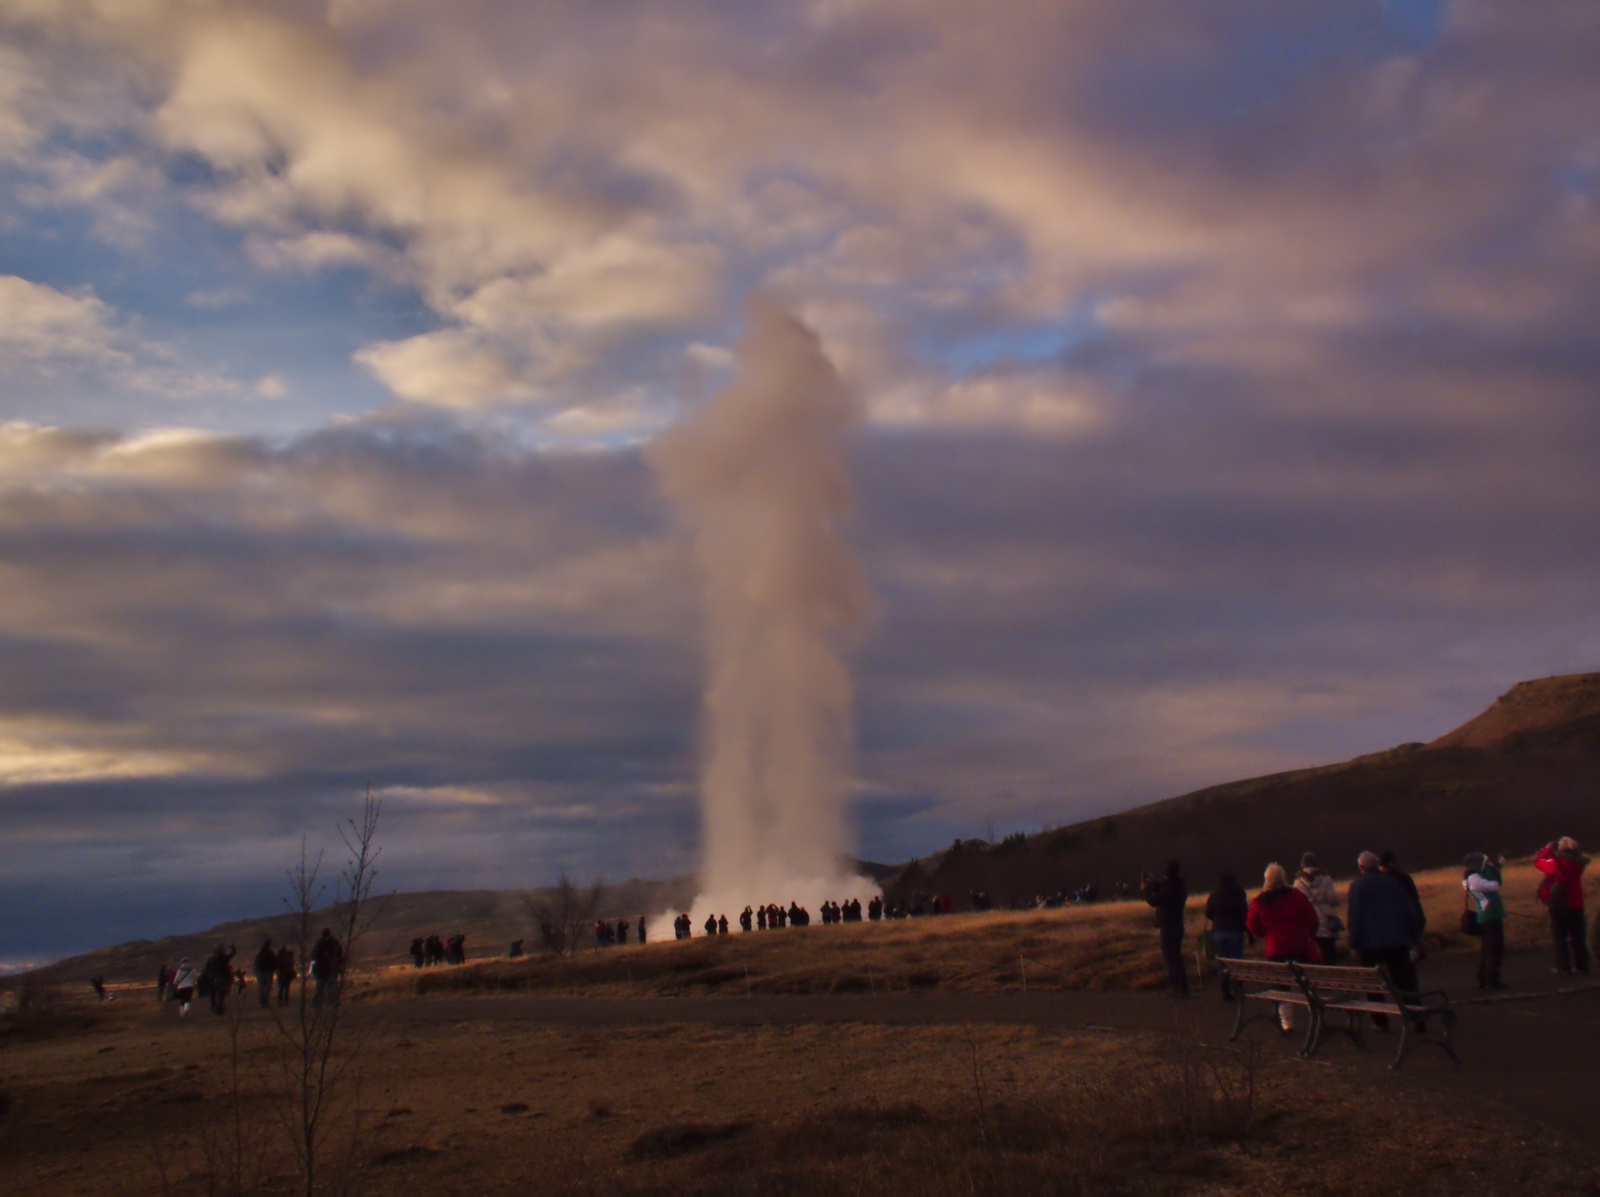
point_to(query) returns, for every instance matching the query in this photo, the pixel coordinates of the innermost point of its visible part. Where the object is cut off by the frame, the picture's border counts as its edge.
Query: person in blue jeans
(1226, 909)
(1168, 896)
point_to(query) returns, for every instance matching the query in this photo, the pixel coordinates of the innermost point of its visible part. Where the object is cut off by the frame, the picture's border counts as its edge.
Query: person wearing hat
(1482, 884)
(1323, 895)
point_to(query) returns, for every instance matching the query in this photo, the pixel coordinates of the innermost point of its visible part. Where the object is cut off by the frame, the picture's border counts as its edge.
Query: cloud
(50, 334)
(44, 327)
(567, 195)
(1230, 371)
(446, 369)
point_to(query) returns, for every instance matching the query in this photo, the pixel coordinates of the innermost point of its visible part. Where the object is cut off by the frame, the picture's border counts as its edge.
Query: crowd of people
(1381, 919)
(429, 950)
(614, 934)
(275, 975)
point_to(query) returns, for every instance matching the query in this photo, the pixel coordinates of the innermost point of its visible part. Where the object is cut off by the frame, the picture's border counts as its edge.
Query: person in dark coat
(1390, 865)
(1168, 896)
(1226, 909)
(327, 963)
(286, 973)
(219, 971)
(266, 969)
(1384, 925)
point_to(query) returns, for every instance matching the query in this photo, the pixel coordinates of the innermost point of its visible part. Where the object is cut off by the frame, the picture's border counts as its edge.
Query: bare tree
(564, 912)
(319, 1070)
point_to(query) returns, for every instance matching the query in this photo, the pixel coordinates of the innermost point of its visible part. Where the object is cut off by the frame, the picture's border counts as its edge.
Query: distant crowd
(428, 950)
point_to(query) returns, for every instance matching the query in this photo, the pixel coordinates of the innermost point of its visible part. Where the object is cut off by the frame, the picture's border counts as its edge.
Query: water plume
(759, 475)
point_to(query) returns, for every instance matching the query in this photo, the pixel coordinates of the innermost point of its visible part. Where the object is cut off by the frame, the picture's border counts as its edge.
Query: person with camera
(1169, 895)
(1482, 885)
(1562, 890)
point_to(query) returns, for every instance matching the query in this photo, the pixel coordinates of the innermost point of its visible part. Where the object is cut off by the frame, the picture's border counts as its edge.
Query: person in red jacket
(1285, 921)
(1563, 865)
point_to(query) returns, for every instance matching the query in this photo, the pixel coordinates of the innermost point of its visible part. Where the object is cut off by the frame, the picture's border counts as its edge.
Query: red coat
(1567, 870)
(1286, 922)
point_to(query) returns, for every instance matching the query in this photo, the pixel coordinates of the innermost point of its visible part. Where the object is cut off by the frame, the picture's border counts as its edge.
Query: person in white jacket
(183, 983)
(1324, 895)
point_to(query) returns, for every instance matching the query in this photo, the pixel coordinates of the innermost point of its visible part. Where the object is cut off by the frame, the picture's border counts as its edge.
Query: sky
(1229, 375)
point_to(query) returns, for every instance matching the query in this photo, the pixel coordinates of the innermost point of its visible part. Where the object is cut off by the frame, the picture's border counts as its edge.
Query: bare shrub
(565, 913)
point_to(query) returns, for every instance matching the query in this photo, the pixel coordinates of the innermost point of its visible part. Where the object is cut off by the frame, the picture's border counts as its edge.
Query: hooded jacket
(1286, 922)
(1323, 895)
(1566, 866)
(185, 977)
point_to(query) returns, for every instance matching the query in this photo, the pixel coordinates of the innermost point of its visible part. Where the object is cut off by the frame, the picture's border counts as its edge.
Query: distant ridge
(1552, 705)
(1514, 777)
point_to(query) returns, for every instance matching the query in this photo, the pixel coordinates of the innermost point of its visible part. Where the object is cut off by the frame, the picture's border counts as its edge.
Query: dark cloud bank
(211, 646)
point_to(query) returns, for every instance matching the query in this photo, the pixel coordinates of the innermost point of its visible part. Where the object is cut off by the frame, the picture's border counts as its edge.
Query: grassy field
(133, 1103)
(1106, 946)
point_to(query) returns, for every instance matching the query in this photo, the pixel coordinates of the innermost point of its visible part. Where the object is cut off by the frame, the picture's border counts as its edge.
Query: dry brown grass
(480, 1107)
(1107, 946)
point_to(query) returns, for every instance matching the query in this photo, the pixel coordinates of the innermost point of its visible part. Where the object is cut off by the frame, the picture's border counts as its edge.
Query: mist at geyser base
(758, 474)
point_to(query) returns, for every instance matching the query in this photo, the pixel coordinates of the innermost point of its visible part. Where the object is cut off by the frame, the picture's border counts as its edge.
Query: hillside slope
(1514, 777)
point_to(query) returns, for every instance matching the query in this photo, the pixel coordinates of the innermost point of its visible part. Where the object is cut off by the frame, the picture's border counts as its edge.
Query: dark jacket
(266, 960)
(1168, 896)
(1410, 886)
(1382, 914)
(1227, 908)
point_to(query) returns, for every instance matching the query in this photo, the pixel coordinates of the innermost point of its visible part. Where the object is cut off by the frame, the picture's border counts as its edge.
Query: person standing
(286, 973)
(641, 928)
(184, 980)
(219, 972)
(1482, 884)
(266, 969)
(1283, 918)
(1563, 865)
(1227, 907)
(1390, 864)
(1323, 895)
(326, 964)
(1385, 926)
(1169, 896)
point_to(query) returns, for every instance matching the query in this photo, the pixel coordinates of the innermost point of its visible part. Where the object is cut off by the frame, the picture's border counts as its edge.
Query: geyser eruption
(759, 475)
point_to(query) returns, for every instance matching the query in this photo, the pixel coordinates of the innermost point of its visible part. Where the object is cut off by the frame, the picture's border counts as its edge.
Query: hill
(1523, 772)
(491, 920)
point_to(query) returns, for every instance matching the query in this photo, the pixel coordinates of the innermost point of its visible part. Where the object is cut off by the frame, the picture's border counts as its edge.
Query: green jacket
(1484, 886)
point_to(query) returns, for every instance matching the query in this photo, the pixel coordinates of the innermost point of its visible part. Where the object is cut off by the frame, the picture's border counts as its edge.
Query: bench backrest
(1259, 972)
(1343, 976)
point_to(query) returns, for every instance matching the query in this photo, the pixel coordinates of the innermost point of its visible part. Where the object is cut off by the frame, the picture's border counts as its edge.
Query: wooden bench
(1356, 992)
